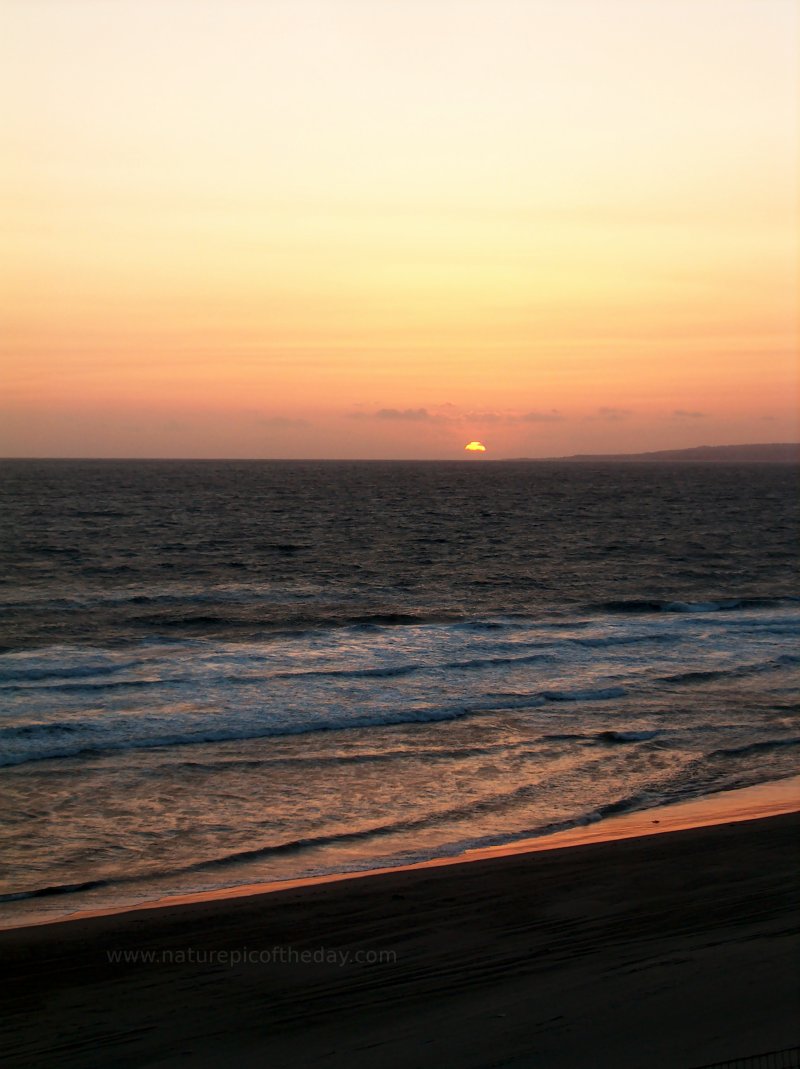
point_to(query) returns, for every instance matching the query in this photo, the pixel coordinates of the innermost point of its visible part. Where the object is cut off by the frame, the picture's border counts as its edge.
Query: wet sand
(673, 950)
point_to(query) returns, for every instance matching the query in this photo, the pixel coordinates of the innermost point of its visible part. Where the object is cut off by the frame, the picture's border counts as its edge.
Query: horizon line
(471, 459)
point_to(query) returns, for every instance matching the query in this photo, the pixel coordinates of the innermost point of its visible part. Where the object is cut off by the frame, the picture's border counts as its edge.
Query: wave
(753, 747)
(80, 677)
(56, 889)
(490, 803)
(12, 673)
(25, 730)
(286, 622)
(390, 671)
(91, 688)
(602, 694)
(95, 742)
(711, 675)
(371, 757)
(90, 737)
(380, 672)
(628, 736)
(638, 605)
(248, 614)
(605, 737)
(600, 641)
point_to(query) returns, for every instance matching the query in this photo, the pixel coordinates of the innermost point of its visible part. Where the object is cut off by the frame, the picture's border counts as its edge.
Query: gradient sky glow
(342, 228)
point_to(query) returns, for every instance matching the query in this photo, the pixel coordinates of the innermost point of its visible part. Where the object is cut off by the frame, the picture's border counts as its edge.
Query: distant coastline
(773, 453)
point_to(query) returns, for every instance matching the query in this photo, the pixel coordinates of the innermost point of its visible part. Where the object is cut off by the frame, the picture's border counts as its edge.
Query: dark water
(215, 672)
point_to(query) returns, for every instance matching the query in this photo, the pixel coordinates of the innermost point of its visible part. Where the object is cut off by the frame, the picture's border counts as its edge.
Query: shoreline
(772, 798)
(676, 950)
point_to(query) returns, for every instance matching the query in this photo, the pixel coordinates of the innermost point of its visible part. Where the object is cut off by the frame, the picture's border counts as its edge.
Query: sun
(475, 447)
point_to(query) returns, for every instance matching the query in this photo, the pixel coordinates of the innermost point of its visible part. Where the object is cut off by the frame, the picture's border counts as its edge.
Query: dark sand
(670, 950)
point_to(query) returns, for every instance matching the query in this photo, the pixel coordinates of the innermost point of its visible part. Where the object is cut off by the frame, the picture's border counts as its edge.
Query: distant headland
(773, 453)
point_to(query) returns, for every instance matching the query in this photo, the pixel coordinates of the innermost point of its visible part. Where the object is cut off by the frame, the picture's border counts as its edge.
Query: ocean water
(213, 673)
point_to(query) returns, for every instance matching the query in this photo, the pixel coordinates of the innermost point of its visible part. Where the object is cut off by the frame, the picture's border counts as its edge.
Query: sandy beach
(673, 950)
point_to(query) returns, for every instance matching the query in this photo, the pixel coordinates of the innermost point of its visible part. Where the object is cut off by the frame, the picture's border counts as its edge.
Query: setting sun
(475, 447)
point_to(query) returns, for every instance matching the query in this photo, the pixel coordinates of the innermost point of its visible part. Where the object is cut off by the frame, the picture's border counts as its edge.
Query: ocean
(216, 673)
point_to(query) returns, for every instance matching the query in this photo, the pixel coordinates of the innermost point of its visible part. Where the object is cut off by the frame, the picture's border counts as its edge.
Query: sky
(349, 229)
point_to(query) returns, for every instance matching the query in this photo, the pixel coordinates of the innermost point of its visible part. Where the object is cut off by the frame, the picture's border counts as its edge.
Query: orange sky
(336, 228)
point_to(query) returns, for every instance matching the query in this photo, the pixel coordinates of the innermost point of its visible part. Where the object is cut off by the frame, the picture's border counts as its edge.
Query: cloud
(416, 414)
(612, 414)
(281, 421)
(550, 416)
(449, 413)
(407, 415)
(681, 413)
